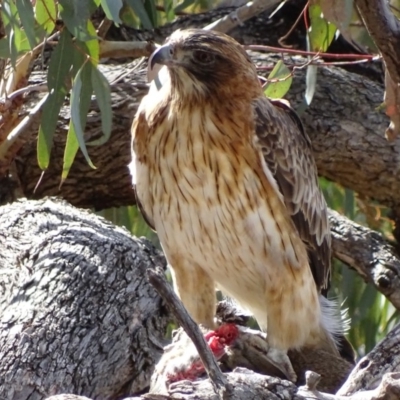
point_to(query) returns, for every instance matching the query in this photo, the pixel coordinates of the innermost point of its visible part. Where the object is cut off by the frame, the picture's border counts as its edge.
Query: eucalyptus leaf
(321, 32)
(59, 67)
(71, 148)
(139, 9)
(276, 90)
(75, 14)
(51, 110)
(27, 17)
(80, 103)
(92, 46)
(46, 14)
(311, 83)
(60, 62)
(9, 14)
(112, 9)
(103, 97)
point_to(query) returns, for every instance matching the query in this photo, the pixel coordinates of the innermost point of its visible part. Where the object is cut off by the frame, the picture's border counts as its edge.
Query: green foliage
(280, 81)
(59, 66)
(73, 67)
(131, 218)
(321, 32)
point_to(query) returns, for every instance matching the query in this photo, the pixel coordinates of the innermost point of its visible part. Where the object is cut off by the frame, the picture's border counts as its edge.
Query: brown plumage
(228, 181)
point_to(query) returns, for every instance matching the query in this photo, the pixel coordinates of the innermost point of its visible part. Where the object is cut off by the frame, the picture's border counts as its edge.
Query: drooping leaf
(138, 7)
(71, 148)
(4, 48)
(80, 103)
(9, 14)
(25, 11)
(169, 10)
(75, 14)
(46, 14)
(51, 111)
(60, 64)
(321, 31)
(112, 9)
(21, 41)
(92, 46)
(340, 13)
(311, 82)
(129, 17)
(150, 7)
(103, 97)
(283, 77)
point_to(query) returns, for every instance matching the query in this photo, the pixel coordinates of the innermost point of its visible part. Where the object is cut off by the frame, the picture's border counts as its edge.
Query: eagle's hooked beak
(162, 56)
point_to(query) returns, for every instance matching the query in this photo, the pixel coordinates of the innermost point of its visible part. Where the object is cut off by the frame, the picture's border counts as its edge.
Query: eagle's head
(207, 63)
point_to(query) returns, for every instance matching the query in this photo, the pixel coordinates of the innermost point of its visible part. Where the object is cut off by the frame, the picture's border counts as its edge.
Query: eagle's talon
(281, 361)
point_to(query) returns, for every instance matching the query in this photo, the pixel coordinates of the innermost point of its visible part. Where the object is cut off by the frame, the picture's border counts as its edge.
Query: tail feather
(335, 324)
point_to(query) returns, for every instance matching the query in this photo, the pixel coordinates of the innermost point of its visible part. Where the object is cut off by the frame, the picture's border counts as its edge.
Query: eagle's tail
(335, 323)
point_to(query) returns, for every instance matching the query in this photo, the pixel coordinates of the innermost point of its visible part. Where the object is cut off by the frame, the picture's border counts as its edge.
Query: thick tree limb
(249, 386)
(77, 316)
(76, 312)
(370, 370)
(384, 28)
(368, 253)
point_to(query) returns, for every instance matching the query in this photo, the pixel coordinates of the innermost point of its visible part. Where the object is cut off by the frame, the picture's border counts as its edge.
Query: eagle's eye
(203, 57)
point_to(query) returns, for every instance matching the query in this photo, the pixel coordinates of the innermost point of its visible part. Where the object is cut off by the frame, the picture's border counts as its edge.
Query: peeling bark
(77, 314)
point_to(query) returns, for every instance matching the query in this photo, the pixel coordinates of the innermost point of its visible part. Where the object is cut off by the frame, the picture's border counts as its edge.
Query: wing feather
(287, 152)
(139, 133)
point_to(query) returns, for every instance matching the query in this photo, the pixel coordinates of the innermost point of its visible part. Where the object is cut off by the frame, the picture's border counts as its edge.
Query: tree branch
(76, 312)
(242, 14)
(384, 28)
(368, 253)
(371, 369)
(157, 279)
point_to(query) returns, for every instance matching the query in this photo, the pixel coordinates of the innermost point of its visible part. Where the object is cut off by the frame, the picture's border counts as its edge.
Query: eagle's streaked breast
(229, 184)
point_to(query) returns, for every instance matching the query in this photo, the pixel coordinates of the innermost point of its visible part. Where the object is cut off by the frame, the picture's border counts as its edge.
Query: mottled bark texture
(369, 371)
(77, 314)
(368, 253)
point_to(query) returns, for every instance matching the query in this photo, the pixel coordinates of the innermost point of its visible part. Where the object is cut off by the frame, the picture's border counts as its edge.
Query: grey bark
(369, 371)
(77, 314)
(251, 386)
(368, 253)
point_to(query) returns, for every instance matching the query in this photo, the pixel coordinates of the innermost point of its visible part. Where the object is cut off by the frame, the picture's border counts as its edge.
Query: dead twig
(157, 279)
